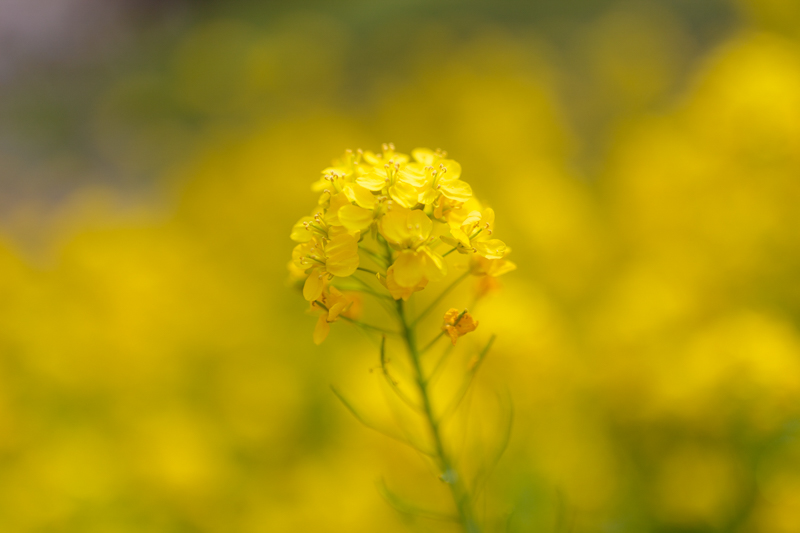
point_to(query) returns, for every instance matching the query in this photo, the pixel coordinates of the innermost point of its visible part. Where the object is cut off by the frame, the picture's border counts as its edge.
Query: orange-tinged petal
(458, 324)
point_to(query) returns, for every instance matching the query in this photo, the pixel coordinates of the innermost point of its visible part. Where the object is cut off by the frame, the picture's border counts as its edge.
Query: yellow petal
(361, 196)
(408, 269)
(341, 255)
(332, 214)
(457, 190)
(374, 181)
(492, 249)
(424, 155)
(491, 267)
(472, 218)
(428, 196)
(488, 216)
(503, 266)
(355, 218)
(315, 283)
(335, 310)
(396, 290)
(434, 267)
(413, 174)
(453, 169)
(394, 226)
(299, 231)
(321, 330)
(419, 225)
(460, 236)
(404, 194)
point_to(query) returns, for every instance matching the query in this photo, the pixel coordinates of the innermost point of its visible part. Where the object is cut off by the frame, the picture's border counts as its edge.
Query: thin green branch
(406, 508)
(470, 377)
(481, 478)
(434, 375)
(362, 269)
(392, 383)
(439, 298)
(385, 433)
(433, 341)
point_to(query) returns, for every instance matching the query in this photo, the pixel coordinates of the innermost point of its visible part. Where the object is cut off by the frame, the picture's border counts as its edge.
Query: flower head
(402, 215)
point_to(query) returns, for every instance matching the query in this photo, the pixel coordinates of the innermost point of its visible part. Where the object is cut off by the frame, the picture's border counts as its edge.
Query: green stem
(367, 270)
(449, 474)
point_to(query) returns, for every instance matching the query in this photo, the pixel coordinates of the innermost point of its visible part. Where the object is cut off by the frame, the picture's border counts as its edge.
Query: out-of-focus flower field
(157, 371)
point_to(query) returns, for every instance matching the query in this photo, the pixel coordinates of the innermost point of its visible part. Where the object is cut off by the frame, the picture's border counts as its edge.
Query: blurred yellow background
(157, 371)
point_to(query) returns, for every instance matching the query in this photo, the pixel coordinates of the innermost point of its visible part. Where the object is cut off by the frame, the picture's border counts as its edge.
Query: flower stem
(449, 474)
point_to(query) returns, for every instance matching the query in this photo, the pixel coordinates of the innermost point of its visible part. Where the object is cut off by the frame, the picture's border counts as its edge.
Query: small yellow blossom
(473, 234)
(458, 324)
(481, 266)
(441, 177)
(398, 291)
(408, 231)
(322, 259)
(332, 303)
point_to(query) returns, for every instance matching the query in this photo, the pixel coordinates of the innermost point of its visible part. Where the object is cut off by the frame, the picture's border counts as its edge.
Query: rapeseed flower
(399, 210)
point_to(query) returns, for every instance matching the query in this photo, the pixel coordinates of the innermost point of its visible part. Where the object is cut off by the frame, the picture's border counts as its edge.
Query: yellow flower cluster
(404, 214)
